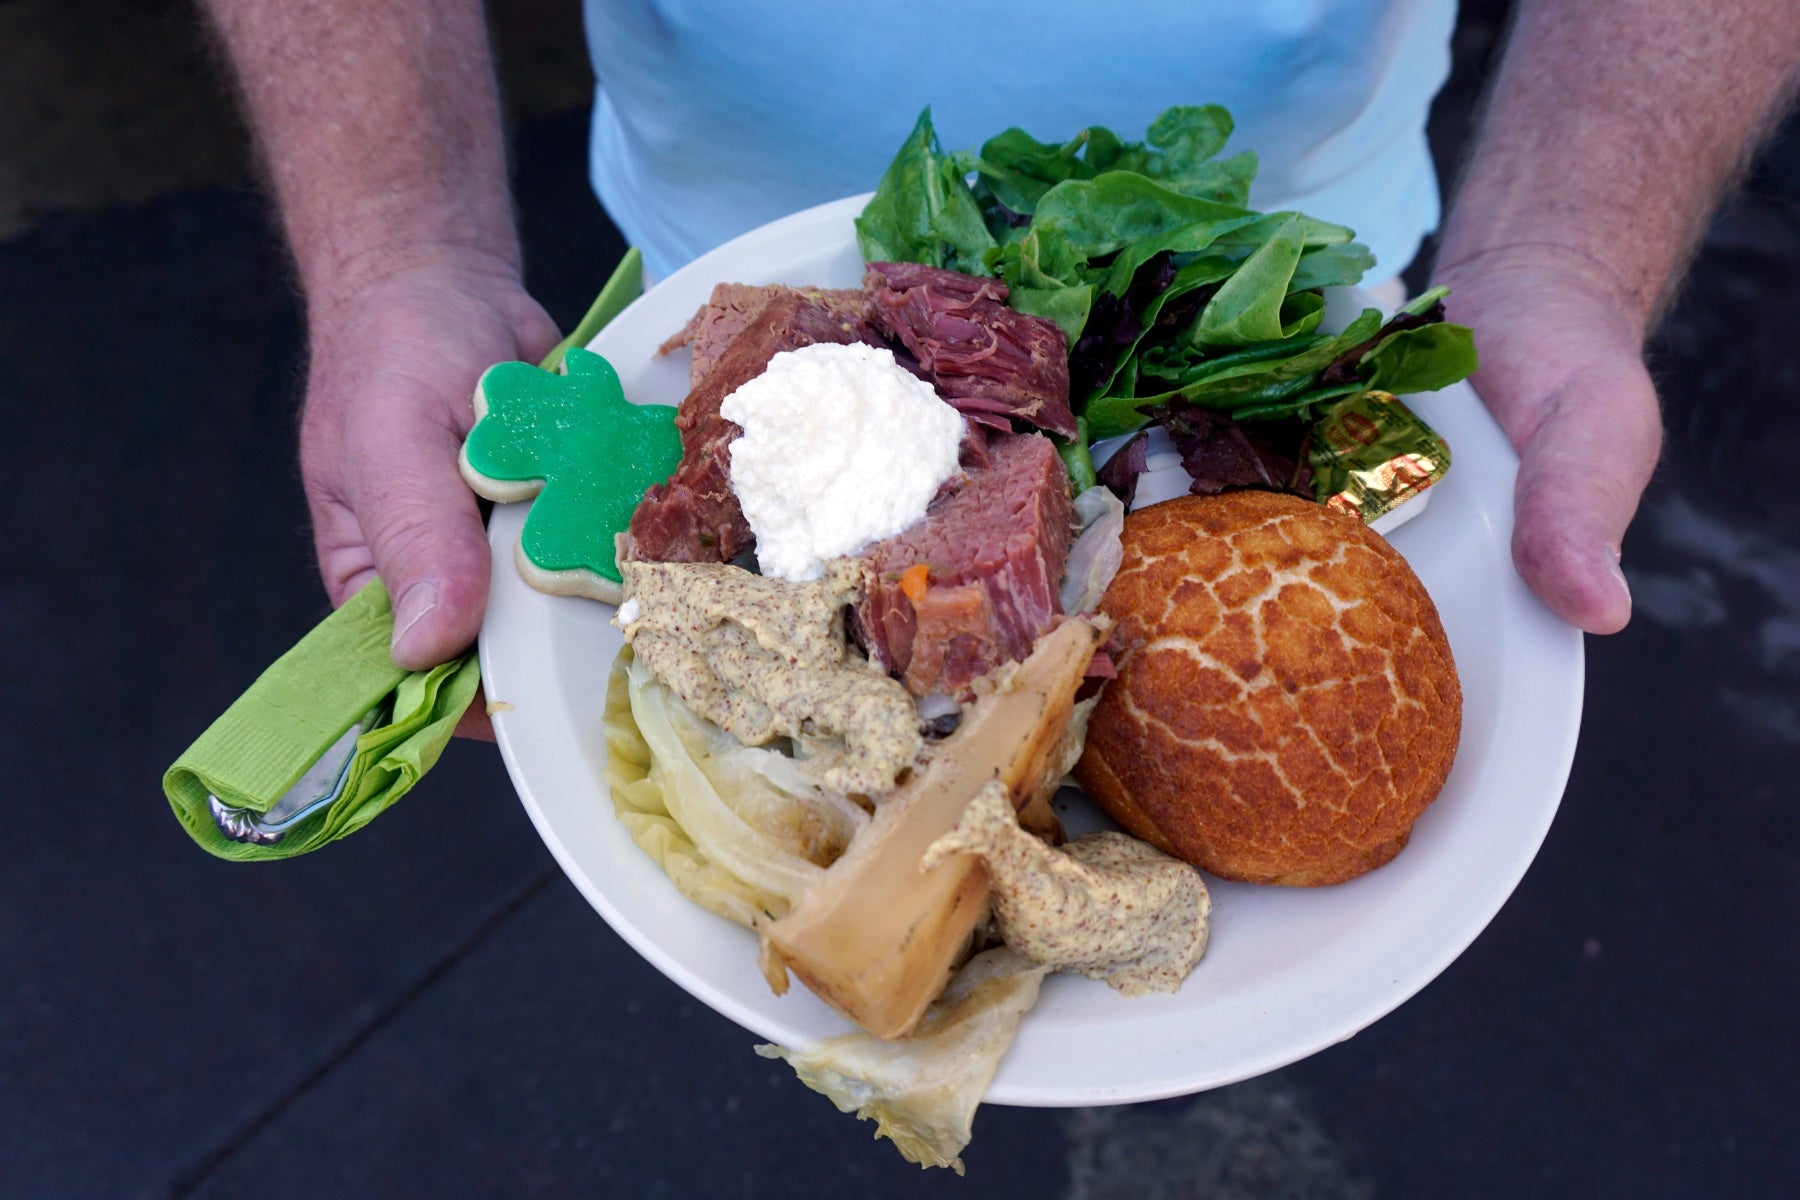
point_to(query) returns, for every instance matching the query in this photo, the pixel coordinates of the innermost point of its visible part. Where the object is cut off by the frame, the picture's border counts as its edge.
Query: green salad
(1171, 291)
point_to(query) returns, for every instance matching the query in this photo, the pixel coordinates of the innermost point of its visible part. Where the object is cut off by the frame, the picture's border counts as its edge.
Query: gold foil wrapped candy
(1370, 454)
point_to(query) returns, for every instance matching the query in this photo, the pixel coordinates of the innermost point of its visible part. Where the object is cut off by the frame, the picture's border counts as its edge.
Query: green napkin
(273, 734)
(271, 737)
(626, 285)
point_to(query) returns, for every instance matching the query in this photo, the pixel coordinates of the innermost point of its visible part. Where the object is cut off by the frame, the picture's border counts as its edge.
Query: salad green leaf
(1016, 169)
(1103, 215)
(1246, 310)
(1339, 265)
(1076, 459)
(1421, 360)
(923, 211)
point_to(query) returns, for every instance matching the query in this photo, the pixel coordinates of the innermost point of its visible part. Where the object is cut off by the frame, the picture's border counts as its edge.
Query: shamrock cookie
(587, 454)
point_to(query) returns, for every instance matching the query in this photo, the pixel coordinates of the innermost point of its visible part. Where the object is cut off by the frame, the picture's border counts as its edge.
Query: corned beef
(734, 306)
(991, 362)
(995, 548)
(695, 516)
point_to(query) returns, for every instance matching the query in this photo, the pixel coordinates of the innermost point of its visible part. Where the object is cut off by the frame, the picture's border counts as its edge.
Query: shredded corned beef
(993, 363)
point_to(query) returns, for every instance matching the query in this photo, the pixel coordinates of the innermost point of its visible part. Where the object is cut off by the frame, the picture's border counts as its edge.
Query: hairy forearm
(379, 125)
(1611, 132)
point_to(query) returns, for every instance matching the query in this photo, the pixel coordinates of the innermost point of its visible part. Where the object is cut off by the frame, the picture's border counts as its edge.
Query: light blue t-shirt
(715, 116)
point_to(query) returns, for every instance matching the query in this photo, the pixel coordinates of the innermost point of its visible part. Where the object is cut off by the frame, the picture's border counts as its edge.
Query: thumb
(430, 549)
(1581, 471)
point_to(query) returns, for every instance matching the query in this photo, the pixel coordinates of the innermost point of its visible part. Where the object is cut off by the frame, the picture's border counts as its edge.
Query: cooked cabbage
(1097, 553)
(923, 1091)
(738, 829)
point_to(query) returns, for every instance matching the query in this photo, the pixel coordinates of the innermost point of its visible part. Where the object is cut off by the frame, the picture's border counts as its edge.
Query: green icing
(594, 450)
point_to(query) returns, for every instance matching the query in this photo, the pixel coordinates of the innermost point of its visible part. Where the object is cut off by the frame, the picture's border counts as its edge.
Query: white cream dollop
(842, 446)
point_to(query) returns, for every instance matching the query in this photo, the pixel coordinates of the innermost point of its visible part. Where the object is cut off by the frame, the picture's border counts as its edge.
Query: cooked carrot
(914, 581)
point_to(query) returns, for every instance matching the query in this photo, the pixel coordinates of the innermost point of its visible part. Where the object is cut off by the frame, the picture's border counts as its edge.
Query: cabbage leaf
(737, 828)
(1097, 553)
(923, 1091)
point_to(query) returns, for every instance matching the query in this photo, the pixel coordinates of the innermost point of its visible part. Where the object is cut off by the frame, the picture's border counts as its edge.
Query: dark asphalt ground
(429, 1009)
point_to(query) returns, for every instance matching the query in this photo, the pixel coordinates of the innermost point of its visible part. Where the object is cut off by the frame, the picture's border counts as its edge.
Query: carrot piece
(914, 581)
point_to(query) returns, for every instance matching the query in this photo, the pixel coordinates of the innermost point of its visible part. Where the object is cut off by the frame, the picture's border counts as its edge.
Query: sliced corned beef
(734, 306)
(994, 549)
(695, 516)
(991, 362)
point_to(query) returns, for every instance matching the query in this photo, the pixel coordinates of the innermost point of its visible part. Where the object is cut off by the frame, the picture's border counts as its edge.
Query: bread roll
(1286, 705)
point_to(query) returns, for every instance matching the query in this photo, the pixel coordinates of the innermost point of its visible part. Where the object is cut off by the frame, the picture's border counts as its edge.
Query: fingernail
(1618, 573)
(414, 603)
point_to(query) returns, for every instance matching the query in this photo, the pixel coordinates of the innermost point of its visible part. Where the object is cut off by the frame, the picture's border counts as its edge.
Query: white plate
(1289, 972)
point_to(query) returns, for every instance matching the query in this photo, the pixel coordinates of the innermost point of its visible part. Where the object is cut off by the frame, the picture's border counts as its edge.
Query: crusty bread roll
(1286, 705)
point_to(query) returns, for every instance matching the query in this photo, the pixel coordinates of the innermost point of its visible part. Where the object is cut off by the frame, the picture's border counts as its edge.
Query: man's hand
(1562, 370)
(1613, 128)
(379, 125)
(388, 403)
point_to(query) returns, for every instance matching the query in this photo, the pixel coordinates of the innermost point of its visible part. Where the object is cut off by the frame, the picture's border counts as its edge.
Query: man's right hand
(389, 399)
(378, 122)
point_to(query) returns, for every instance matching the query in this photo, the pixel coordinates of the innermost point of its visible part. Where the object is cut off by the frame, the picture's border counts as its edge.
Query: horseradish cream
(842, 446)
